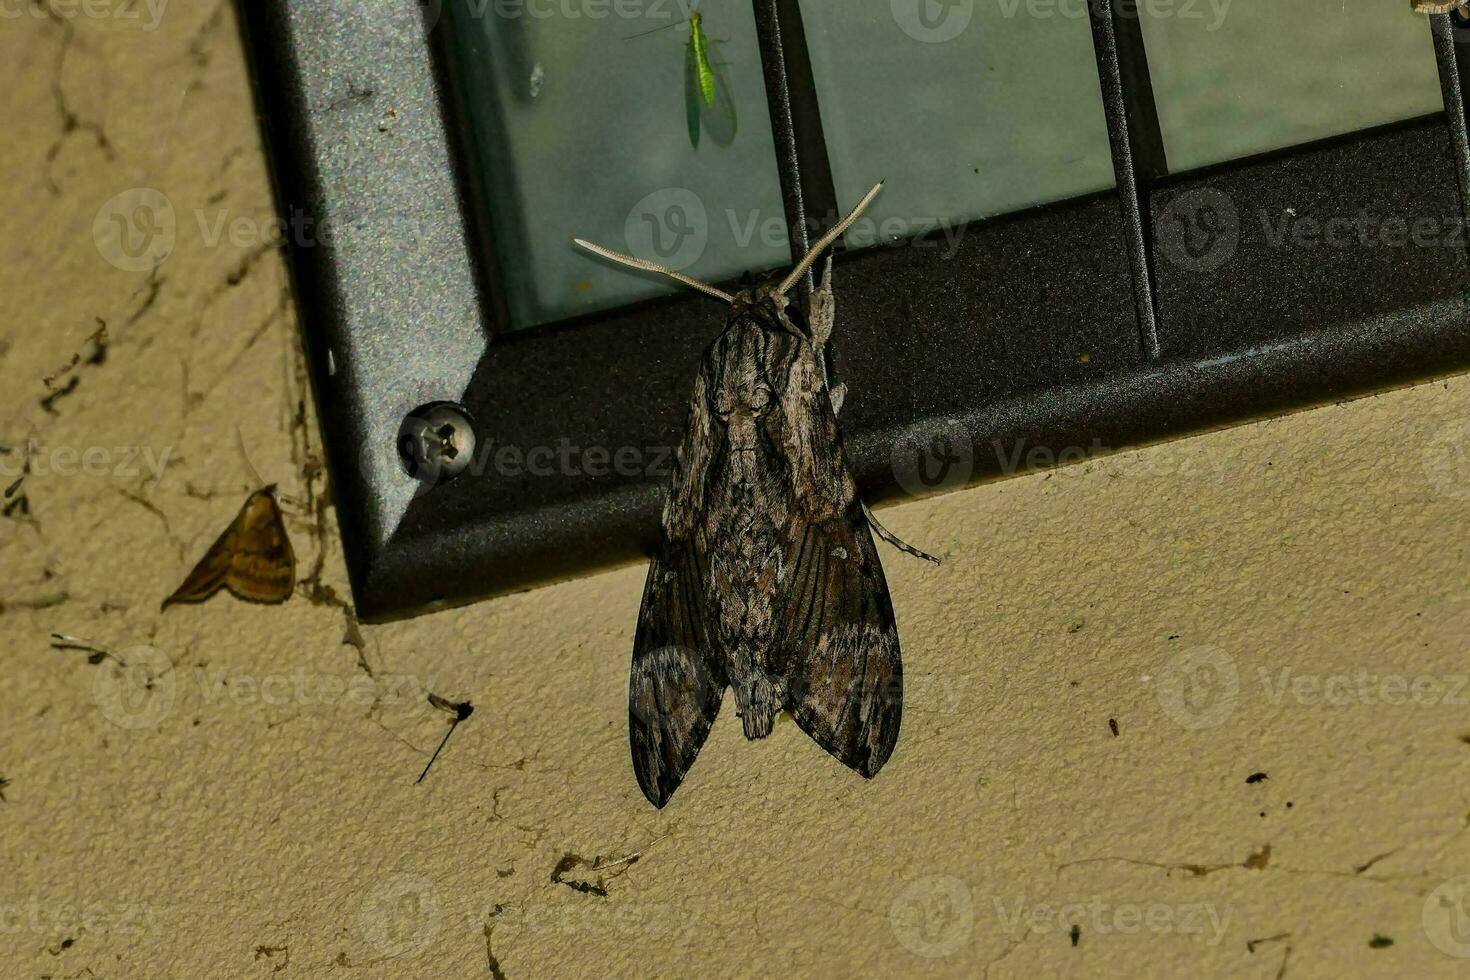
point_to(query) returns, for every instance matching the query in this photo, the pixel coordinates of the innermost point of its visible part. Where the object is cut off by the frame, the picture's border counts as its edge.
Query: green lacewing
(707, 102)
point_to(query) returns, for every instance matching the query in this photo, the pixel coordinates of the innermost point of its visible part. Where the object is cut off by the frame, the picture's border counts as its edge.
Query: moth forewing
(686, 493)
(253, 558)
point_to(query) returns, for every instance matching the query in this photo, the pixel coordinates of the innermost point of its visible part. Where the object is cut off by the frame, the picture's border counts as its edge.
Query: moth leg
(822, 312)
(894, 539)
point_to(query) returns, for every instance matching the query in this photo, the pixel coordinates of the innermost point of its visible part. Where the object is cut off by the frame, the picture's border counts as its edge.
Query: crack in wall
(72, 122)
(1282, 937)
(496, 971)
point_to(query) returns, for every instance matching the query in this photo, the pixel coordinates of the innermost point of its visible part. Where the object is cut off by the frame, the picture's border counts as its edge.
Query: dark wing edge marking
(676, 684)
(837, 643)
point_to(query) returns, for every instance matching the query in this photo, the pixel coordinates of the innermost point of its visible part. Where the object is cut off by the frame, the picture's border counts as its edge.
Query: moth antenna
(828, 239)
(240, 441)
(647, 266)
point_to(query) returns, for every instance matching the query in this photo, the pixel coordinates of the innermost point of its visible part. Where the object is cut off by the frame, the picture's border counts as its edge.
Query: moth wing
(719, 117)
(837, 643)
(834, 643)
(263, 565)
(208, 576)
(693, 101)
(676, 682)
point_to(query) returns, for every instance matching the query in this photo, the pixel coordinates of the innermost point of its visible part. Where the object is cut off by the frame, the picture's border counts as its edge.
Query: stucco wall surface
(1285, 598)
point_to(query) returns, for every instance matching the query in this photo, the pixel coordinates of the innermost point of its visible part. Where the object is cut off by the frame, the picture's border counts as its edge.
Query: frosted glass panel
(967, 108)
(580, 128)
(1245, 76)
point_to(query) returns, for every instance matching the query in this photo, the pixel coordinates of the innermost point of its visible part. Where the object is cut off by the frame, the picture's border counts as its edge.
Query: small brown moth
(253, 558)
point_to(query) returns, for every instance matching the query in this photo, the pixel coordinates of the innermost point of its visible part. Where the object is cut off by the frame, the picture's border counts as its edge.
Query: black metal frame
(1058, 328)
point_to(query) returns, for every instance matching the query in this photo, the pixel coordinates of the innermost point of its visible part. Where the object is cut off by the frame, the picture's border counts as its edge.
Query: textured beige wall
(254, 814)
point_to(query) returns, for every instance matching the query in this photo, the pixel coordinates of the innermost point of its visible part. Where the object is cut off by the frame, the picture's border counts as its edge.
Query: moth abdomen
(757, 701)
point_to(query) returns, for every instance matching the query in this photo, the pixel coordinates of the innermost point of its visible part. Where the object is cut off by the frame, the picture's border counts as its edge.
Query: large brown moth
(765, 578)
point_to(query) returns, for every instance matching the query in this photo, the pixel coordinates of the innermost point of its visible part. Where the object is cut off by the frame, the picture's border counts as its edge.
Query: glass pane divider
(1453, 61)
(807, 188)
(1137, 144)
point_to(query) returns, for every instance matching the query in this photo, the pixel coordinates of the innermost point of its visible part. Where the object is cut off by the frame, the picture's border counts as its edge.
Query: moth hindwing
(765, 578)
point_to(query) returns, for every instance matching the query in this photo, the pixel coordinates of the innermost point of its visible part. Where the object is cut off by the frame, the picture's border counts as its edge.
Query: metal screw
(436, 442)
